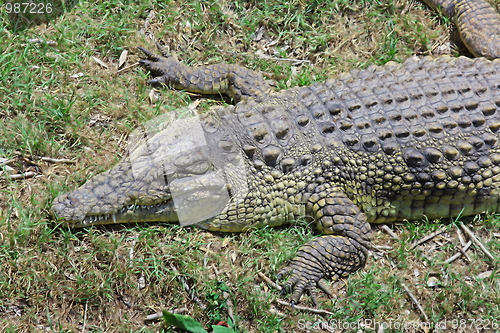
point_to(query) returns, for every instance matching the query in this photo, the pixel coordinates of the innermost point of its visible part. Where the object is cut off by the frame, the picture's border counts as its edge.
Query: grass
(108, 279)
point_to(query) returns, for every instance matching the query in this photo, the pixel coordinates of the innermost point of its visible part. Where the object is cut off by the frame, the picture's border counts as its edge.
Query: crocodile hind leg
(235, 81)
(333, 256)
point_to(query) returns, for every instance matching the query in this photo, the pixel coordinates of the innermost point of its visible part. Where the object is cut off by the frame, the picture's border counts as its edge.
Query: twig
(27, 160)
(417, 304)
(40, 41)
(300, 61)
(6, 161)
(122, 137)
(269, 281)
(126, 67)
(158, 315)
(476, 241)
(230, 305)
(28, 174)
(85, 316)
(153, 316)
(460, 236)
(274, 311)
(382, 247)
(388, 230)
(205, 257)
(271, 58)
(131, 252)
(465, 248)
(55, 160)
(186, 287)
(303, 308)
(428, 237)
(457, 255)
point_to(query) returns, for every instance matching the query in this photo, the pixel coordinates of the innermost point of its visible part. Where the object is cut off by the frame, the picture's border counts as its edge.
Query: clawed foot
(163, 68)
(326, 257)
(298, 283)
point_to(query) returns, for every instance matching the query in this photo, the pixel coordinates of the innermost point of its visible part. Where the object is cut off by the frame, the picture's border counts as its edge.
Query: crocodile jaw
(99, 201)
(133, 213)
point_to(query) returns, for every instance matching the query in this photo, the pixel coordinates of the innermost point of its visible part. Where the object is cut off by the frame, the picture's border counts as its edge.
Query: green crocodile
(383, 144)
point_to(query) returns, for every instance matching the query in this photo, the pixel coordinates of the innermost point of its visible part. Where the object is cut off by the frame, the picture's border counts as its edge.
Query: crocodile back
(402, 140)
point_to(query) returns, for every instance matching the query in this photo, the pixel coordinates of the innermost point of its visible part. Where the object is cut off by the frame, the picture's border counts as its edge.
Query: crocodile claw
(299, 281)
(150, 55)
(326, 257)
(164, 69)
(162, 50)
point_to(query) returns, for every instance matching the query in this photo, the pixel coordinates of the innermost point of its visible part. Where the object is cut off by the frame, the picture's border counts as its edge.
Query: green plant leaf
(222, 329)
(222, 286)
(183, 322)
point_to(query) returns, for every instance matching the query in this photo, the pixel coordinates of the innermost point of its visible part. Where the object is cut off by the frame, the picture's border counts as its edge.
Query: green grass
(110, 278)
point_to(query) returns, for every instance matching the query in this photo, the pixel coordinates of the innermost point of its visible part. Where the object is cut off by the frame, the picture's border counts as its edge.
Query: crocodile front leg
(232, 80)
(333, 256)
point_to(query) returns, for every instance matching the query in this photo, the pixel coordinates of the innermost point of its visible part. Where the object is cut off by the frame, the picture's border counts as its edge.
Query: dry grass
(108, 279)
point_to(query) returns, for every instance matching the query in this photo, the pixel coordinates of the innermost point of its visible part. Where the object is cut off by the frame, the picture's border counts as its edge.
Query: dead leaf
(123, 59)
(192, 107)
(485, 275)
(70, 276)
(187, 28)
(10, 170)
(100, 62)
(261, 54)
(433, 282)
(225, 242)
(153, 96)
(234, 255)
(141, 283)
(77, 75)
(257, 35)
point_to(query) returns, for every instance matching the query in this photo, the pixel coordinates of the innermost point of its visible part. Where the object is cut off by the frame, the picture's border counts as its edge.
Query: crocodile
(477, 23)
(384, 144)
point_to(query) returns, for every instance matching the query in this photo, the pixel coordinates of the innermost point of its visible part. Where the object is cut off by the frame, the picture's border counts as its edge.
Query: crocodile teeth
(114, 218)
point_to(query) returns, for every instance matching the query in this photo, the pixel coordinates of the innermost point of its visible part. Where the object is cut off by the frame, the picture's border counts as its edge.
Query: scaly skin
(478, 24)
(232, 80)
(384, 144)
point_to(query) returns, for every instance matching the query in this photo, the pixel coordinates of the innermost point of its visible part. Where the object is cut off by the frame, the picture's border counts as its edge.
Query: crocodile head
(180, 174)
